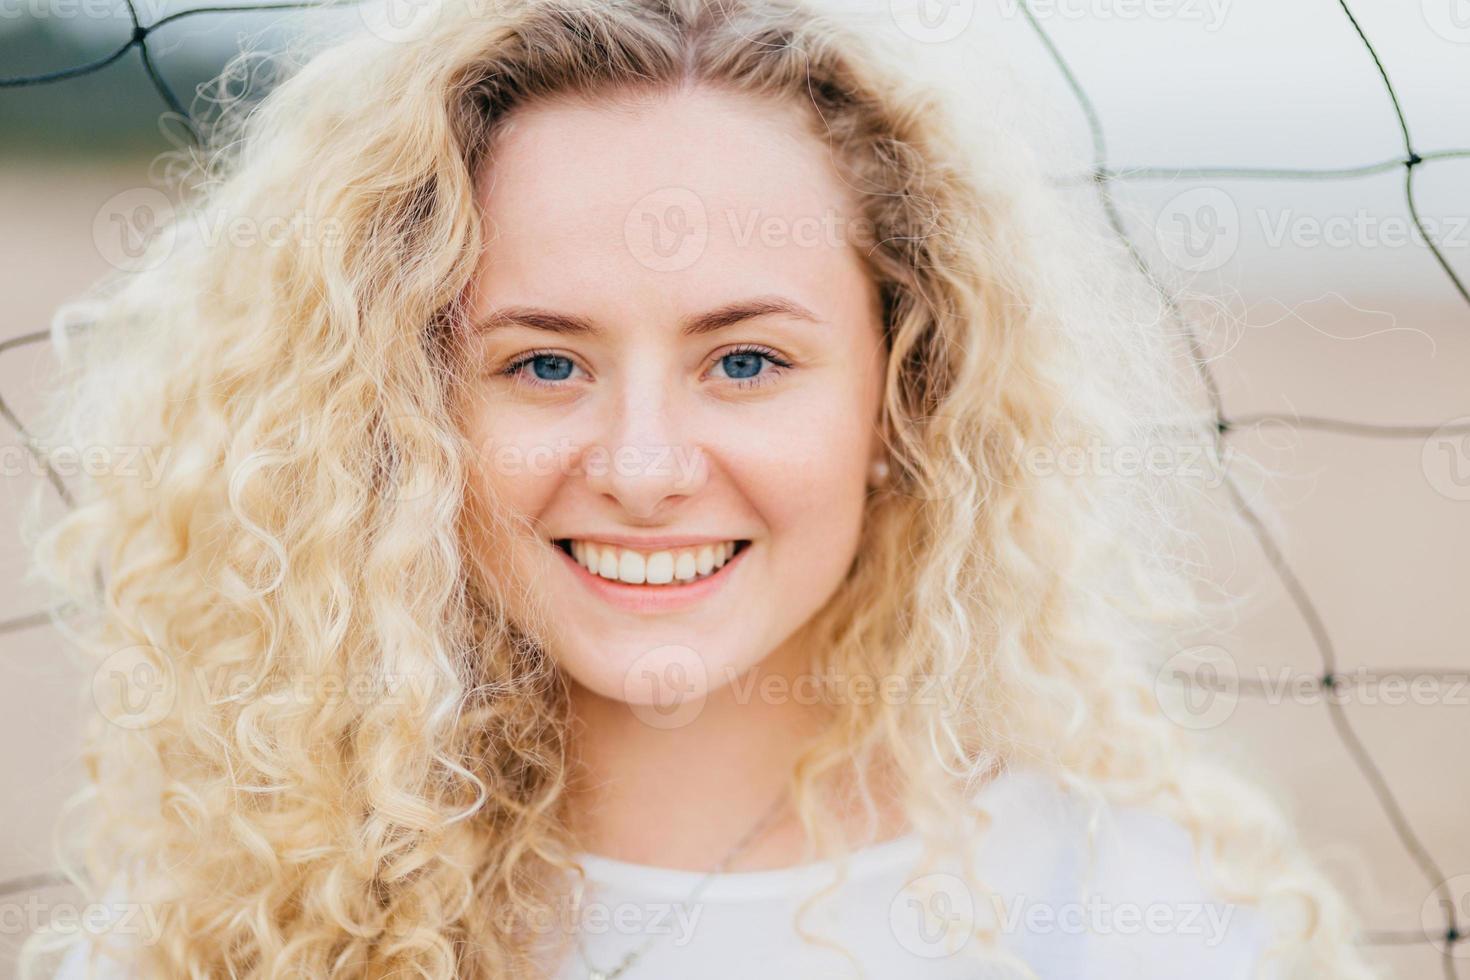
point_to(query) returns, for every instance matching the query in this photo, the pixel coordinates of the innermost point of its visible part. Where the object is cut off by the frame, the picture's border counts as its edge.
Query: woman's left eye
(743, 365)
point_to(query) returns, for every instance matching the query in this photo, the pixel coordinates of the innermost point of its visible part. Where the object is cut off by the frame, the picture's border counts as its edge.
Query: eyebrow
(692, 326)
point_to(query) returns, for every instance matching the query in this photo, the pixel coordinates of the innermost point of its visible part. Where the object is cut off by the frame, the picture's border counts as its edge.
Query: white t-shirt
(1144, 913)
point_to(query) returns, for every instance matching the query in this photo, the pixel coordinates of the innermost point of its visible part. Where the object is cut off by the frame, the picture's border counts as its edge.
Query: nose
(645, 461)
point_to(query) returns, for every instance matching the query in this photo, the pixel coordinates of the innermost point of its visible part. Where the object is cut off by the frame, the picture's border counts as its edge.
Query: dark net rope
(1101, 176)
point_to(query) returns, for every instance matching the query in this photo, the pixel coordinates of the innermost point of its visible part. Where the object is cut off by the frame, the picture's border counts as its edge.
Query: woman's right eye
(547, 369)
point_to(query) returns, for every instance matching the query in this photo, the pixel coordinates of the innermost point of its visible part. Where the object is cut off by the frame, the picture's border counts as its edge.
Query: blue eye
(559, 368)
(743, 365)
(739, 366)
(549, 368)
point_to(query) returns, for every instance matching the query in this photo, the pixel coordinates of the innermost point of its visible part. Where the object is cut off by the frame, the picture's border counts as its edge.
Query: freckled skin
(782, 463)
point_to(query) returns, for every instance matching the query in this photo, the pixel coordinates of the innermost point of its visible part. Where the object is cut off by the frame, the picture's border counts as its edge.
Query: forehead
(671, 203)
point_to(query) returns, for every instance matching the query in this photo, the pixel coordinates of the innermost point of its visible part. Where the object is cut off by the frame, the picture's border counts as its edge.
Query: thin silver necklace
(631, 957)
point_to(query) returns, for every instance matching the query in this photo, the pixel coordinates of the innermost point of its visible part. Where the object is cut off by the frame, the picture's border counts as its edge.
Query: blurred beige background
(1366, 328)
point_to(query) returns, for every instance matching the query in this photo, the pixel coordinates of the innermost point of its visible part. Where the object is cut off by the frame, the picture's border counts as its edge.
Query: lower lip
(655, 598)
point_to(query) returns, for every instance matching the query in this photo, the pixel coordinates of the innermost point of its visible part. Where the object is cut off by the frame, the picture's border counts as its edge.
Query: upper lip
(647, 544)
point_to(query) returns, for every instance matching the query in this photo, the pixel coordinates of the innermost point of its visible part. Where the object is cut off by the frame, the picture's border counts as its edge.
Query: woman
(608, 538)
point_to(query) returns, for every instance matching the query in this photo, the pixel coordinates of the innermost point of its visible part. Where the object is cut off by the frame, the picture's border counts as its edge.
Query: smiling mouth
(639, 572)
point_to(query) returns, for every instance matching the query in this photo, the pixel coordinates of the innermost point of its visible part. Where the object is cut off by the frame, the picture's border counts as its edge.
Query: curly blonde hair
(311, 519)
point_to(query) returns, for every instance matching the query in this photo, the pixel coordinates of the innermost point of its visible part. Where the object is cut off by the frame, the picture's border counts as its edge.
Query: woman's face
(674, 347)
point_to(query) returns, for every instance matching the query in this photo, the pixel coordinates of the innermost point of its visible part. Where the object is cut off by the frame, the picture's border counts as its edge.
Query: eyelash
(780, 364)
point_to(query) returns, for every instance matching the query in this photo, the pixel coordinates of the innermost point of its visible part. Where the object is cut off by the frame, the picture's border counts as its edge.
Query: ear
(878, 470)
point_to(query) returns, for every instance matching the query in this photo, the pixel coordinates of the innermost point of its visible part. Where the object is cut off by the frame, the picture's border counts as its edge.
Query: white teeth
(660, 569)
(630, 567)
(656, 568)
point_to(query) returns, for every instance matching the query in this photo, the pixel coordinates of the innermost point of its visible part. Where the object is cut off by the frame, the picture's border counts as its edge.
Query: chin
(644, 672)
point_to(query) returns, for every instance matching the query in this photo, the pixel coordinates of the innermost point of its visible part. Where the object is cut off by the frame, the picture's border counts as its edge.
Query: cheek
(811, 449)
(805, 471)
(514, 461)
(511, 477)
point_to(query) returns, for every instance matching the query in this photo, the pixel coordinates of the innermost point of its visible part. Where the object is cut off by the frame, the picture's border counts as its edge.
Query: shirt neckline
(678, 883)
(652, 880)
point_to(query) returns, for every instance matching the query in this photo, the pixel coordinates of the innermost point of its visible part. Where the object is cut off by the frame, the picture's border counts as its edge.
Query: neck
(682, 797)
